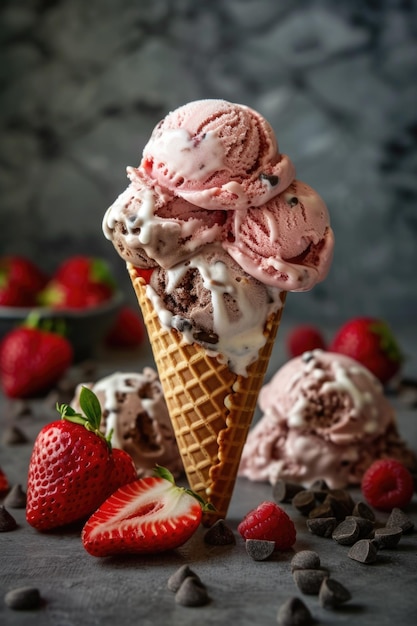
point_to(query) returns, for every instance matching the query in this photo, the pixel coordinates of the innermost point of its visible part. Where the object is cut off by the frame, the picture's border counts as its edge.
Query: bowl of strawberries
(79, 299)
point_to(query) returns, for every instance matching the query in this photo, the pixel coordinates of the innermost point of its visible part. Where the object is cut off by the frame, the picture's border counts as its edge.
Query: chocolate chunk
(322, 510)
(259, 549)
(399, 519)
(319, 485)
(347, 532)
(203, 336)
(292, 201)
(341, 502)
(305, 559)
(177, 578)
(366, 527)
(192, 593)
(283, 491)
(13, 436)
(304, 501)
(320, 489)
(309, 580)
(23, 598)
(7, 521)
(294, 613)
(388, 537)
(16, 498)
(322, 526)
(332, 594)
(364, 551)
(271, 178)
(220, 534)
(361, 509)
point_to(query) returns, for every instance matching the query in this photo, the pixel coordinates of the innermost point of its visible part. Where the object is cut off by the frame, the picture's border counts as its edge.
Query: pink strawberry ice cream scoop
(217, 155)
(324, 416)
(136, 415)
(288, 243)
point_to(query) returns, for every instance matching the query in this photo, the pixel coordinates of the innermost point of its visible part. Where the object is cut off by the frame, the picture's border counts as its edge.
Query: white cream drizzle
(239, 340)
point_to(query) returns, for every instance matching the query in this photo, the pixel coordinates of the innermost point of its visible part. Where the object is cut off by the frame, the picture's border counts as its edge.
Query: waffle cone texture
(211, 408)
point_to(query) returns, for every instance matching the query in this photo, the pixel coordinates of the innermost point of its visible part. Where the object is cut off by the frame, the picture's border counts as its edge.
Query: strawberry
(70, 467)
(148, 516)
(20, 281)
(269, 522)
(124, 470)
(32, 360)
(127, 331)
(80, 282)
(386, 484)
(371, 342)
(4, 483)
(304, 338)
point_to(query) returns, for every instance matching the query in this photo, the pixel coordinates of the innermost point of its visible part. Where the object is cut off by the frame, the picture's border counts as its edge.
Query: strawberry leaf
(387, 341)
(91, 407)
(163, 472)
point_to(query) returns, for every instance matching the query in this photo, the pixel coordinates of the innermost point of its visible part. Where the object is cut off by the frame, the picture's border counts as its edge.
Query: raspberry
(268, 521)
(303, 339)
(386, 484)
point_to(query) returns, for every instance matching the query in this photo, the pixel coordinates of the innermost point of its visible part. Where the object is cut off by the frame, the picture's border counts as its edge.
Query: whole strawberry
(80, 282)
(127, 331)
(147, 516)
(371, 342)
(32, 360)
(69, 468)
(20, 281)
(304, 338)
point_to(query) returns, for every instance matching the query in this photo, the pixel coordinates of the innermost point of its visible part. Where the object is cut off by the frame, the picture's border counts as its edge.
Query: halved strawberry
(147, 516)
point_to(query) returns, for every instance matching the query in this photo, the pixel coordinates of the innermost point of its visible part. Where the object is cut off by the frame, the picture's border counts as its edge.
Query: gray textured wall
(84, 82)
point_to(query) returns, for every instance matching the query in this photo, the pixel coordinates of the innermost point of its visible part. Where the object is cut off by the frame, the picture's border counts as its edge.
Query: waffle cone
(211, 408)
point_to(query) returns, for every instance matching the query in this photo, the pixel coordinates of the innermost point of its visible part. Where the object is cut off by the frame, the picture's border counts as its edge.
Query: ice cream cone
(211, 408)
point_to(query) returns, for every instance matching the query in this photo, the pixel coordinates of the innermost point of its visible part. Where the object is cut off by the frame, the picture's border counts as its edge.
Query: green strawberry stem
(387, 341)
(163, 472)
(91, 419)
(52, 325)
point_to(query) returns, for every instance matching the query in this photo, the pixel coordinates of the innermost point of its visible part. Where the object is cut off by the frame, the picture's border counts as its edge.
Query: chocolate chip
(23, 598)
(305, 559)
(16, 498)
(366, 527)
(304, 501)
(259, 549)
(347, 532)
(181, 324)
(283, 491)
(319, 485)
(364, 551)
(361, 509)
(388, 537)
(322, 526)
(203, 336)
(341, 502)
(292, 201)
(271, 178)
(332, 594)
(220, 534)
(322, 510)
(294, 613)
(192, 593)
(13, 436)
(177, 578)
(399, 519)
(7, 521)
(309, 580)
